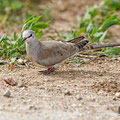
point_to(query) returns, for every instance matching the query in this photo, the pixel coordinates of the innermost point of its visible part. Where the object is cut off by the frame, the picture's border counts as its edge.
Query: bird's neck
(32, 48)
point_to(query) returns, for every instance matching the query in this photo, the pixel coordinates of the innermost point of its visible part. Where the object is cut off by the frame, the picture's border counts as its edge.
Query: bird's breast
(31, 52)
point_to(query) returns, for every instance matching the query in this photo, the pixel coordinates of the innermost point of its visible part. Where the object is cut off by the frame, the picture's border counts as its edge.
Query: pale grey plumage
(49, 53)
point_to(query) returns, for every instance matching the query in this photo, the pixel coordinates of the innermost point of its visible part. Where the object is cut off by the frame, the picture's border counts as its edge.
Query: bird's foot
(48, 71)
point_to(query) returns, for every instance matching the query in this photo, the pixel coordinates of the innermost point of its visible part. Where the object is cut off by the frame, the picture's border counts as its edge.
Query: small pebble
(46, 80)
(78, 97)
(114, 98)
(117, 94)
(20, 61)
(29, 100)
(21, 84)
(7, 93)
(67, 92)
(74, 105)
(32, 107)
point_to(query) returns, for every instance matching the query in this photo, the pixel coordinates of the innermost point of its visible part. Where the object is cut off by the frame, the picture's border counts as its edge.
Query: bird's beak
(23, 40)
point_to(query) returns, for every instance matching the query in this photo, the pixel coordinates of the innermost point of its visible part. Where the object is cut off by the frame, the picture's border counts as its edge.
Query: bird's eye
(31, 35)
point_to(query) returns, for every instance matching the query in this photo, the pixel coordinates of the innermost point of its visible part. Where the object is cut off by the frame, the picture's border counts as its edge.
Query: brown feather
(77, 40)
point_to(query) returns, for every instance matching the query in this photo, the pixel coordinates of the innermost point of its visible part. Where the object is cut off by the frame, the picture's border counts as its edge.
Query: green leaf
(98, 34)
(95, 40)
(80, 31)
(41, 25)
(4, 46)
(59, 34)
(91, 12)
(29, 18)
(109, 24)
(73, 34)
(15, 36)
(34, 20)
(19, 42)
(83, 23)
(4, 38)
(110, 19)
(102, 37)
(16, 5)
(66, 37)
(89, 29)
(99, 37)
(93, 31)
(87, 14)
(13, 60)
(112, 51)
(51, 37)
(29, 27)
(39, 34)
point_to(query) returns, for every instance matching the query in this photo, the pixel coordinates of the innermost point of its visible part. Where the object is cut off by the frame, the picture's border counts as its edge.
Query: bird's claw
(48, 71)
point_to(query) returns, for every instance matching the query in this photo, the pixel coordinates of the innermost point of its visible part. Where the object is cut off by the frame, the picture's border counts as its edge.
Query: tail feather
(89, 47)
(82, 45)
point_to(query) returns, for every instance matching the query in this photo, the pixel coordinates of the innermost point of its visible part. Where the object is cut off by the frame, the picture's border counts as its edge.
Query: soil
(91, 91)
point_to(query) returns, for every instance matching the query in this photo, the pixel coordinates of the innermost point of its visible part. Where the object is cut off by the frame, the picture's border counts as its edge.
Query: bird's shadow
(82, 74)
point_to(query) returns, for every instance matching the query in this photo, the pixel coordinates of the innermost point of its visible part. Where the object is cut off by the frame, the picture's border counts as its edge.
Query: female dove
(50, 53)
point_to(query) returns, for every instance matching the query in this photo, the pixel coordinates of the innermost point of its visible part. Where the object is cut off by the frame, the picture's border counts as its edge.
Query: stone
(21, 84)
(7, 93)
(78, 97)
(67, 92)
(117, 94)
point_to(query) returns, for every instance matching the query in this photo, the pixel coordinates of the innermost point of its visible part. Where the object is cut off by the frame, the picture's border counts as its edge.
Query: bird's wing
(77, 40)
(53, 52)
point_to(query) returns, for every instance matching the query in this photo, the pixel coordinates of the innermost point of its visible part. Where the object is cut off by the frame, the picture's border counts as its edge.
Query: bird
(50, 53)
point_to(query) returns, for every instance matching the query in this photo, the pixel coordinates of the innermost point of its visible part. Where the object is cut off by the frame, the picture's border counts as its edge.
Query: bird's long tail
(89, 47)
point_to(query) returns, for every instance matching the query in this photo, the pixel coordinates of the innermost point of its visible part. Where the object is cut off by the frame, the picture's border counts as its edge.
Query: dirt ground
(91, 91)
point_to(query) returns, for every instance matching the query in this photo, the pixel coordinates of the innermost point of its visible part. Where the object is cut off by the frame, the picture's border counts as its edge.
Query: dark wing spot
(59, 53)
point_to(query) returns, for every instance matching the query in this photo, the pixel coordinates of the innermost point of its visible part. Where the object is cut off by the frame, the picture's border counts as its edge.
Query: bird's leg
(48, 71)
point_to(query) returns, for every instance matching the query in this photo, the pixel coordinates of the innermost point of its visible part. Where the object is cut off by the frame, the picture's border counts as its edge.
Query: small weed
(13, 48)
(14, 11)
(76, 60)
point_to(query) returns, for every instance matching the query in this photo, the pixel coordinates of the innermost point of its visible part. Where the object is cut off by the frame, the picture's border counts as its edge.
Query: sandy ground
(71, 93)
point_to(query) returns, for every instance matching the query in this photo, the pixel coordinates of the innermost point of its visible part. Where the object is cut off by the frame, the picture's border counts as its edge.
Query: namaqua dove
(50, 53)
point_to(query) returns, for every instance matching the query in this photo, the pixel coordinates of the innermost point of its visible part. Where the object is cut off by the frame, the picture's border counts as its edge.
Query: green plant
(35, 24)
(10, 5)
(114, 4)
(66, 37)
(9, 9)
(76, 60)
(13, 48)
(96, 22)
(14, 11)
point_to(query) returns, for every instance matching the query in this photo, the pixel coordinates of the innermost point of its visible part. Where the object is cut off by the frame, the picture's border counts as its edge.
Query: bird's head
(28, 35)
